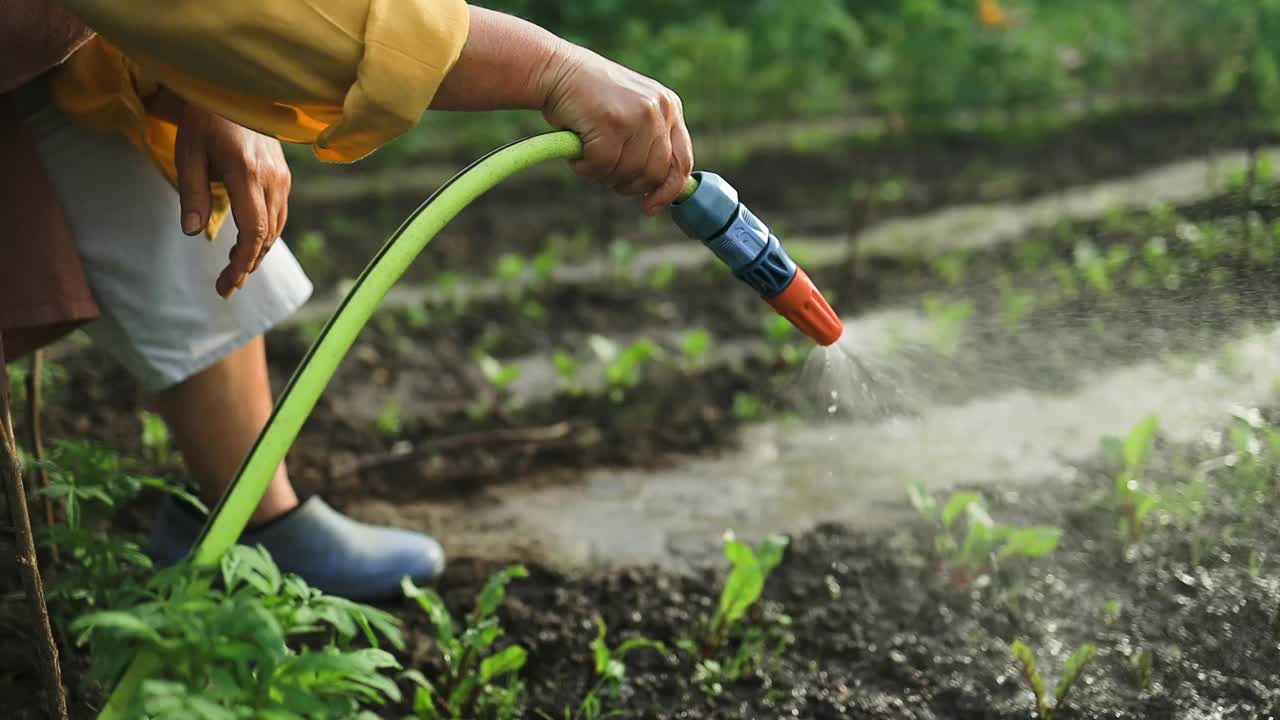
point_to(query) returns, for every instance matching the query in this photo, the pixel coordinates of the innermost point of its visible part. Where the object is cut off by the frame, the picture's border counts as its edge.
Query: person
(185, 317)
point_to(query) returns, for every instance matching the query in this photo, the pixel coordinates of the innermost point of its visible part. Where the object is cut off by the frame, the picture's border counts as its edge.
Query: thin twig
(508, 436)
(35, 405)
(28, 563)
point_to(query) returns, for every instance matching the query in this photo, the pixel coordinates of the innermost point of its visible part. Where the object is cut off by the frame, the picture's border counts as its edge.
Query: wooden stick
(28, 563)
(36, 438)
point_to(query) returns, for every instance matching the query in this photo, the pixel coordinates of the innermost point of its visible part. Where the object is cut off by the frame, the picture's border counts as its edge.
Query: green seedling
(622, 257)
(750, 644)
(747, 406)
(1098, 269)
(544, 266)
(235, 650)
(1015, 304)
(695, 345)
(388, 422)
(1065, 277)
(968, 543)
(609, 671)
(509, 267)
(479, 683)
(1143, 668)
(1032, 254)
(533, 310)
(567, 368)
(156, 444)
(1133, 452)
(662, 276)
(1046, 706)
(418, 316)
(623, 369)
(499, 374)
(90, 484)
(947, 322)
(953, 266)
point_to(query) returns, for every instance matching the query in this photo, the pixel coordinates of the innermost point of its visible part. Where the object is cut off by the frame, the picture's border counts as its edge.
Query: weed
(1045, 709)
(751, 644)
(947, 322)
(1133, 452)
(156, 444)
(968, 556)
(623, 369)
(228, 651)
(544, 266)
(662, 276)
(695, 345)
(478, 682)
(509, 267)
(1098, 268)
(388, 422)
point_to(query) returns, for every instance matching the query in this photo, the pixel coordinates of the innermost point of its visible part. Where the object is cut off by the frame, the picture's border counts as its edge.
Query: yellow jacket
(345, 76)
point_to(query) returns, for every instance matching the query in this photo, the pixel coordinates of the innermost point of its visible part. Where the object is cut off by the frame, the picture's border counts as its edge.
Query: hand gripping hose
(708, 210)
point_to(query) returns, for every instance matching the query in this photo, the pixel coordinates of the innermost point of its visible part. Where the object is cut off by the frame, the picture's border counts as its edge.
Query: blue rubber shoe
(329, 550)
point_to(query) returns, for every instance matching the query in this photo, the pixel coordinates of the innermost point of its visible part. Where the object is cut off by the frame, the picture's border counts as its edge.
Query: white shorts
(160, 315)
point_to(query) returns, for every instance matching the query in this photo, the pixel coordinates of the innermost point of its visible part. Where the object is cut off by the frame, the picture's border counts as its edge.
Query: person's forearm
(506, 64)
(35, 35)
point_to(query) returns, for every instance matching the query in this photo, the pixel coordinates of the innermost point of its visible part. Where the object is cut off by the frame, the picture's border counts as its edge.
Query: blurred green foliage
(743, 63)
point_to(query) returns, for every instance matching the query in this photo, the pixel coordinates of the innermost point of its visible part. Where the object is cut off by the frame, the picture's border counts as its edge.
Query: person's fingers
(599, 158)
(679, 171)
(278, 211)
(655, 169)
(248, 206)
(191, 160)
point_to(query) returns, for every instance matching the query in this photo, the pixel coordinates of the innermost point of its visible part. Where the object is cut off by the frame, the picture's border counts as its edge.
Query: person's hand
(257, 178)
(632, 128)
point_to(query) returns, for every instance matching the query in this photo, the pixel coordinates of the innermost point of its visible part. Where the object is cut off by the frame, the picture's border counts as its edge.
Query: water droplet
(831, 409)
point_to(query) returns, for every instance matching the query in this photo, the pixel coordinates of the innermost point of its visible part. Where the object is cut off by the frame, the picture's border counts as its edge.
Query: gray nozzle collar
(709, 209)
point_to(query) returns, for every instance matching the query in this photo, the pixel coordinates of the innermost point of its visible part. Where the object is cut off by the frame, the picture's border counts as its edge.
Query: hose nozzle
(708, 210)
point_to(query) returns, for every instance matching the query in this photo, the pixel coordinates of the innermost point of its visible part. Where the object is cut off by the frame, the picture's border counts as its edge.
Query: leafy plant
(1015, 304)
(509, 267)
(695, 344)
(90, 483)
(953, 266)
(625, 369)
(747, 406)
(1071, 672)
(155, 438)
(969, 549)
(777, 329)
(1133, 452)
(662, 276)
(388, 422)
(498, 374)
(610, 670)
(228, 651)
(479, 683)
(947, 322)
(567, 368)
(751, 644)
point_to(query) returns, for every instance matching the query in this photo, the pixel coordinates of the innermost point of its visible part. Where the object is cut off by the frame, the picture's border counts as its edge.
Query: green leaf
(920, 499)
(1146, 502)
(1029, 670)
(507, 661)
(433, 605)
(1031, 542)
(637, 644)
(461, 695)
(424, 703)
(495, 590)
(770, 553)
(959, 503)
(1138, 444)
(1072, 670)
(599, 648)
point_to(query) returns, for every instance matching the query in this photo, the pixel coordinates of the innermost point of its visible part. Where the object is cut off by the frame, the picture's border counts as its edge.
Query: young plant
(695, 345)
(731, 643)
(388, 421)
(567, 368)
(544, 265)
(498, 374)
(91, 483)
(228, 650)
(1046, 706)
(777, 329)
(747, 406)
(662, 276)
(1132, 502)
(155, 438)
(610, 670)
(970, 549)
(509, 267)
(947, 322)
(1015, 304)
(479, 683)
(623, 369)
(953, 266)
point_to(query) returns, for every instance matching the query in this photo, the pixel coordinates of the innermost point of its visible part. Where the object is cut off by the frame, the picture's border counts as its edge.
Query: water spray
(708, 210)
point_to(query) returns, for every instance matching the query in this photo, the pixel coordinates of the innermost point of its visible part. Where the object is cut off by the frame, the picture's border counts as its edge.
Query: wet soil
(881, 633)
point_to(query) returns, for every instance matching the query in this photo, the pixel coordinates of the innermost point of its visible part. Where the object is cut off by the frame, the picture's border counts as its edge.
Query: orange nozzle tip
(808, 310)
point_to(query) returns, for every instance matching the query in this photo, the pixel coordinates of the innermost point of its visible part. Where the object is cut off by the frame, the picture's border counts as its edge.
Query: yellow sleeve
(345, 76)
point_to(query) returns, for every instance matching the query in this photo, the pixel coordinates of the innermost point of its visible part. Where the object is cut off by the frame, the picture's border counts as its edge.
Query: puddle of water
(849, 467)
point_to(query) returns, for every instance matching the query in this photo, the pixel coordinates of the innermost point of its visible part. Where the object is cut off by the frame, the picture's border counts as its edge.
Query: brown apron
(43, 291)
